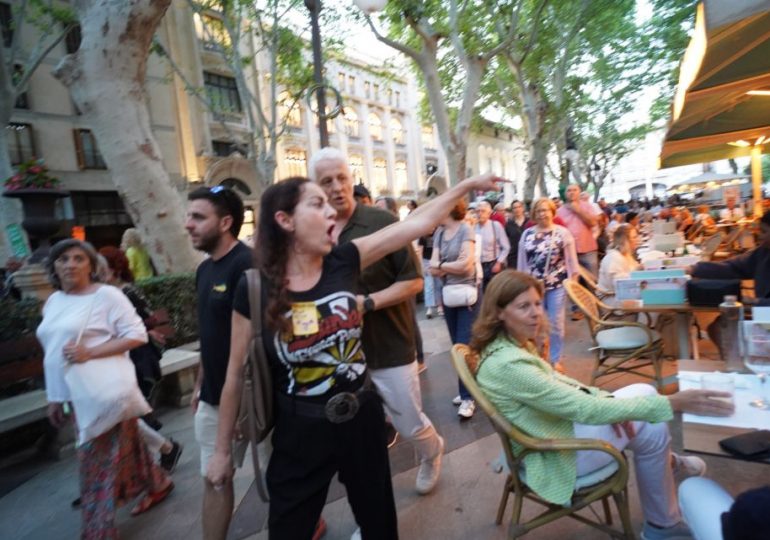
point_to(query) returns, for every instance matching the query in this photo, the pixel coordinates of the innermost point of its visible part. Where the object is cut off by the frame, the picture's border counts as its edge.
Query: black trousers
(307, 452)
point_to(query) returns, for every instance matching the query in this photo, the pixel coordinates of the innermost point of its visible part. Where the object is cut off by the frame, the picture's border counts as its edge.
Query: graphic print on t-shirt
(330, 358)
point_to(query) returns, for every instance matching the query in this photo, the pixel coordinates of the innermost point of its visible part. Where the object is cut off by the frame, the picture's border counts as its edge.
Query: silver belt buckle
(341, 408)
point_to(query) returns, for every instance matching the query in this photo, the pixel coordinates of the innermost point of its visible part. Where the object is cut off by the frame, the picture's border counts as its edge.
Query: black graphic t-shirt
(328, 361)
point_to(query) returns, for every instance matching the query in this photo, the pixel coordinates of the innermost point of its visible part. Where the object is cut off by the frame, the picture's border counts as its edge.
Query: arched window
(375, 127)
(351, 122)
(428, 140)
(397, 131)
(296, 162)
(401, 177)
(356, 164)
(380, 174)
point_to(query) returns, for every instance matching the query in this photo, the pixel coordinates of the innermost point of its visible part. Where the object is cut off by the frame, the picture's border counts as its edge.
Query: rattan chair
(710, 245)
(590, 280)
(621, 346)
(609, 482)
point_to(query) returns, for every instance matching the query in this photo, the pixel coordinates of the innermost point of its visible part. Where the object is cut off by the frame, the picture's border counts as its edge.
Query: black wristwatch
(368, 304)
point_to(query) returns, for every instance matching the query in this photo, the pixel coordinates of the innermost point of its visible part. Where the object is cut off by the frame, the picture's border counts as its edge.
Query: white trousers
(151, 438)
(703, 501)
(652, 460)
(400, 390)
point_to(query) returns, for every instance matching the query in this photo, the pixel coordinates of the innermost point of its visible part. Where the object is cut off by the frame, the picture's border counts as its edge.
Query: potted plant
(38, 191)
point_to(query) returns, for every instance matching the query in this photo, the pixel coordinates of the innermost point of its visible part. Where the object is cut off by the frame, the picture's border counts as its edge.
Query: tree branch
(37, 57)
(19, 19)
(411, 53)
(534, 30)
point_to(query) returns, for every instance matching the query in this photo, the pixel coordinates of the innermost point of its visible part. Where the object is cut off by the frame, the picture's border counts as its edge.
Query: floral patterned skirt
(115, 467)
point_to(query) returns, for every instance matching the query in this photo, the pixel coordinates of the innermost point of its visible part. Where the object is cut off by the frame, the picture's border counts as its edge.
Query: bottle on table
(730, 336)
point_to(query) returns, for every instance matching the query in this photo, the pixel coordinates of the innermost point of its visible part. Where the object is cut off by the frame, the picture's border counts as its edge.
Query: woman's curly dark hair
(271, 250)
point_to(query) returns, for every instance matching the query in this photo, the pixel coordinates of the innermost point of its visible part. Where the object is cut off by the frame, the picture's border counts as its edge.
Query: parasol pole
(756, 178)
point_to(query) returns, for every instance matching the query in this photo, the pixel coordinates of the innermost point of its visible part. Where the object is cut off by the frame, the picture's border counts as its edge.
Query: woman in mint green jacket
(546, 404)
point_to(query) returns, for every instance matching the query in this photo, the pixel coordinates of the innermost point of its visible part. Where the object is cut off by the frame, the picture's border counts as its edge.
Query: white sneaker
(467, 408)
(429, 313)
(457, 400)
(356, 535)
(687, 466)
(429, 471)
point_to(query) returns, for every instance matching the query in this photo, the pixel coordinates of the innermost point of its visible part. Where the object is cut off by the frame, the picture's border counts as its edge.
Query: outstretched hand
(702, 402)
(486, 182)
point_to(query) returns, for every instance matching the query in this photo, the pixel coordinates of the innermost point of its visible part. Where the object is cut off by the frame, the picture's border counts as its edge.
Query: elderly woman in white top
(619, 261)
(86, 321)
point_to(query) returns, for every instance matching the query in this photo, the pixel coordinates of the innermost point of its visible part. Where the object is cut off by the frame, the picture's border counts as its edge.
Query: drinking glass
(721, 382)
(761, 366)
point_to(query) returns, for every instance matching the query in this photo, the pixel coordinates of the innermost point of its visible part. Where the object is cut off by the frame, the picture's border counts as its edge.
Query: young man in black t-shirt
(214, 219)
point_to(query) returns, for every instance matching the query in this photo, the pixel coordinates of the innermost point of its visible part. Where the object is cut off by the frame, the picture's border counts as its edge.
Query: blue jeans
(429, 288)
(554, 303)
(459, 321)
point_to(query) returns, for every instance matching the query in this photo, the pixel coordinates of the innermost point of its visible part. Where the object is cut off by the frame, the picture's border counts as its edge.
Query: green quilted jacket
(544, 404)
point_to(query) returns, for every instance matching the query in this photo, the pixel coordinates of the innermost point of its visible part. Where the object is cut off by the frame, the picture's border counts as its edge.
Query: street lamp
(314, 6)
(319, 86)
(370, 6)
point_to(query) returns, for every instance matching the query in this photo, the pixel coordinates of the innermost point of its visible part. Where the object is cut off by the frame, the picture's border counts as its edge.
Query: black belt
(339, 408)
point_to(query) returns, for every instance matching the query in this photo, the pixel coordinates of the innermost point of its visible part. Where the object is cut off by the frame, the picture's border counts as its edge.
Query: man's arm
(503, 244)
(398, 292)
(579, 210)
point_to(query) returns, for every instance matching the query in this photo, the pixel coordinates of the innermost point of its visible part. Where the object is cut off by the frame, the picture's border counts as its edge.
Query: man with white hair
(387, 289)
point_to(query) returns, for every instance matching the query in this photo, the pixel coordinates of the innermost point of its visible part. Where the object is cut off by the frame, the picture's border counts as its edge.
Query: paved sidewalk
(462, 507)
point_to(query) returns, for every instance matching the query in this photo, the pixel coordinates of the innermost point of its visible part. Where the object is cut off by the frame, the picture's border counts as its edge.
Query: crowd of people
(340, 274)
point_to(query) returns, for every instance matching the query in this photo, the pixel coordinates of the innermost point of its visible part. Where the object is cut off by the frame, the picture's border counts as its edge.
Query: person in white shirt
(619, 261)
(494, 243)
(732, 212)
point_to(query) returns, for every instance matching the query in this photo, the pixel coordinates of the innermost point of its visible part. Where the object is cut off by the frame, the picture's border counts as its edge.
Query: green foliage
(18, 318)
(177, 294)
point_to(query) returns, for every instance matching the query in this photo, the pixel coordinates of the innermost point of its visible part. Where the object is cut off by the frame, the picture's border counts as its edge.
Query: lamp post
(314, 7)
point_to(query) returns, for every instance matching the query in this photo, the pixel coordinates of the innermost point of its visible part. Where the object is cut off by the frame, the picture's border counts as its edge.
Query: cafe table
(704, 438)
(682, 313)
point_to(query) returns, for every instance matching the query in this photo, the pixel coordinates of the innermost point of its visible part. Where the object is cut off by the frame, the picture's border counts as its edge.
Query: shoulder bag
(458, 294)
(255, 417)
(104, 392)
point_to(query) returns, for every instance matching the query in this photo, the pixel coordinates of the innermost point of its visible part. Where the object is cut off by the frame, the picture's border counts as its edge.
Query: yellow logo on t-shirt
(222, 287)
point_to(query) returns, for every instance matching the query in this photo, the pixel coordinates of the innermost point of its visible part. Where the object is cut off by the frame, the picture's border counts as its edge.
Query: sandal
(151, 499)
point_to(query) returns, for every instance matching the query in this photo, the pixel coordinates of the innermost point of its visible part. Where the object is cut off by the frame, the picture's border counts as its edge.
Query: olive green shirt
(389, 333)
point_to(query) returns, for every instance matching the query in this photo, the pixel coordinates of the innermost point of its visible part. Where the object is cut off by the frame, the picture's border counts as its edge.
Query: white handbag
(104, 392)
(460, 294)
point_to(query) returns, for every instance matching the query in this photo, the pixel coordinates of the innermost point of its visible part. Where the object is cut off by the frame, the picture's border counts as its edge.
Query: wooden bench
(178, 363)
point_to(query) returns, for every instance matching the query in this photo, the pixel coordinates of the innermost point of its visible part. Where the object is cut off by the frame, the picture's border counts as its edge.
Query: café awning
(707, 180)
(722, 105)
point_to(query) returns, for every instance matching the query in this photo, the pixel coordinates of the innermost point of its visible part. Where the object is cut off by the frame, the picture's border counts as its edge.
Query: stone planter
(39, 216)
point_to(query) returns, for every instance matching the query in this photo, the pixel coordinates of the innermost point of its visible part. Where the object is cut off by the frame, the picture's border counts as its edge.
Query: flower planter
(39, 216)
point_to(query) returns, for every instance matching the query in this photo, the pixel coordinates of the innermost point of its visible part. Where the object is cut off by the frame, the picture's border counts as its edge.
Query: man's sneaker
(457, 400)
(429, 471)
(391, 435)
(687, 466)
(467, 408)
(429, 313)
(169, 461)
(680, 531)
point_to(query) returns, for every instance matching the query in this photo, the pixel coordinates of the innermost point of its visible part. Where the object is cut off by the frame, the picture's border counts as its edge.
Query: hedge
(18, 318)
(176, 293)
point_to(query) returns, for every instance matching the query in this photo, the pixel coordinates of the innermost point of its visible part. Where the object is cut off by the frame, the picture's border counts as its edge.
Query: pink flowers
(32, 174)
